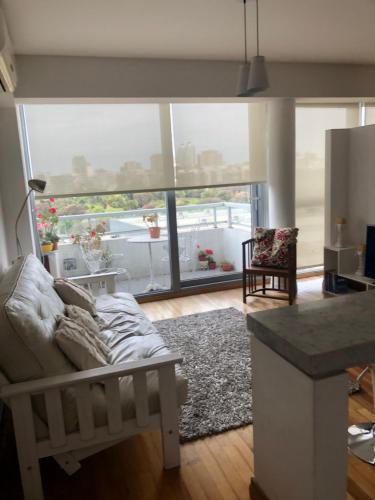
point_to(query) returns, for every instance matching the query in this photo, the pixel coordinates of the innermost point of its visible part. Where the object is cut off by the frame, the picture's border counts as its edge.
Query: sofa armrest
(108, 278)
(89, 376)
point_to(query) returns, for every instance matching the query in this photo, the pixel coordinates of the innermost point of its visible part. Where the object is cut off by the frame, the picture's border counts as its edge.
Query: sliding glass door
(162, 194)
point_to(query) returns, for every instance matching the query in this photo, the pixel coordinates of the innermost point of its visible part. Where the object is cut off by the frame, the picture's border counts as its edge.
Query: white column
(281, 163)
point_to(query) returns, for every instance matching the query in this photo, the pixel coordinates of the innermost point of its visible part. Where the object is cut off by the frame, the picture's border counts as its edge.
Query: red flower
(40, 216)
(93, 233)
(208, 251)
(52, 200)
(52, 210)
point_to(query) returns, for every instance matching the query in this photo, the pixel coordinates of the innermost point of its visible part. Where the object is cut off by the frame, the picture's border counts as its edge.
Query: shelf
(340, 249)
(357, 278)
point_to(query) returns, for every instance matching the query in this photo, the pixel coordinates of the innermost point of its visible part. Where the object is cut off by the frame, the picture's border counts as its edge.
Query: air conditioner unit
(8, 75)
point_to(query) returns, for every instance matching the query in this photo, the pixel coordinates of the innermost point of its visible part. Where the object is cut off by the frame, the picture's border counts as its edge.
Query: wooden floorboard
(214, 468)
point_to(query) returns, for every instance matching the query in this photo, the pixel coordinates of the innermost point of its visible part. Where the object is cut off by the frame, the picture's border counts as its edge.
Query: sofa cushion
(119, 317)
(74, 294)
(84, 350)
(29, 308)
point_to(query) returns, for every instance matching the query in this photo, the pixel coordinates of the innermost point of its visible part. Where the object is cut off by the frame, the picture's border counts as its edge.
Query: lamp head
(37, 185)
(258, 77)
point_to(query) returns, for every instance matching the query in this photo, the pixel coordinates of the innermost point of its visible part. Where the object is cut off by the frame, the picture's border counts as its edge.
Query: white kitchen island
(299, 357)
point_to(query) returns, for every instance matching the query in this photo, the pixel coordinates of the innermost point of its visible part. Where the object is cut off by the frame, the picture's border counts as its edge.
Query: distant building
(186, 155)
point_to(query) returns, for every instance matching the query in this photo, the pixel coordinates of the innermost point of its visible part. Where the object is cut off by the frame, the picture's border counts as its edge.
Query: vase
(361, 265)
(339, 235)
(203, 265)
(154, 232)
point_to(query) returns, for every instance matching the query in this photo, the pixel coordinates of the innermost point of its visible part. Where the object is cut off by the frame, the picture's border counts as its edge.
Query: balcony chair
(258, 280)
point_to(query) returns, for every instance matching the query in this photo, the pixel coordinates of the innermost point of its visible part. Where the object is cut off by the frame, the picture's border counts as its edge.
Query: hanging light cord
(257, 28)
(245, 29)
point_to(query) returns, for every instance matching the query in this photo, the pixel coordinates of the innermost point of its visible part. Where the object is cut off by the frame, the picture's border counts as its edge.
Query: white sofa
(69, 414)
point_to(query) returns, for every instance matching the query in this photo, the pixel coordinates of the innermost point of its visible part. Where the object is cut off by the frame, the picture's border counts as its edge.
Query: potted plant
(46, 246)
(152, 222)
(95, 255)
(211, 263)
(47, 220)
(54, 239)
(226, 266)
(202, 256)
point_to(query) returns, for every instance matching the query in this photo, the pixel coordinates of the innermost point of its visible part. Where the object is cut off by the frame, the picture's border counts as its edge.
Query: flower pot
(212, 265)
(55, 245)
(47, 247)
(227, 267)
(154, 232)
(203, 265)
(202, 258)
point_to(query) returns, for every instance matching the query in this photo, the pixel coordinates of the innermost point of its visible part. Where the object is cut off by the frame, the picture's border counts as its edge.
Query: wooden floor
(215, 468)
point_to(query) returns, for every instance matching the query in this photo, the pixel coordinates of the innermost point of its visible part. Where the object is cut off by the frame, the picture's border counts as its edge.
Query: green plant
(151, 220)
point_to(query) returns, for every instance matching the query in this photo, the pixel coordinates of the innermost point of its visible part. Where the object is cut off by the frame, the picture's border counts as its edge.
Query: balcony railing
(221, 214)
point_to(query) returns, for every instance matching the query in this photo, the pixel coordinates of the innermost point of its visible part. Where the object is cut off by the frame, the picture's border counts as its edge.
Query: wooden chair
(286, 278)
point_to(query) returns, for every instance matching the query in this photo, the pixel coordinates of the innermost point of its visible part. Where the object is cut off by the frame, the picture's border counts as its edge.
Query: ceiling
(291, 30)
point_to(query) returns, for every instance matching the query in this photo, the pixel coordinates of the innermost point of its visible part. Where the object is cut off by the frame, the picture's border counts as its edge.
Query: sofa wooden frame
(69, 448)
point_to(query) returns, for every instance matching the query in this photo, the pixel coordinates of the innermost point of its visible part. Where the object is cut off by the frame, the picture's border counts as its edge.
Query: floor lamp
(39, 186)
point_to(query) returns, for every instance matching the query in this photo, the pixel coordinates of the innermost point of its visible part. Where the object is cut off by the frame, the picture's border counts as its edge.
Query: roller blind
(219, 144)
(107, 148)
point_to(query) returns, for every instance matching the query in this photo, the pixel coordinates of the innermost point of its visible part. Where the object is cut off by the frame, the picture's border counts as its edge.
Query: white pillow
(78, 345)
(84, 319)
(73, 294)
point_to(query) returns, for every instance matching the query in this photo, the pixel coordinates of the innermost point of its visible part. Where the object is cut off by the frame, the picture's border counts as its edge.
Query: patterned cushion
(271, 246)
(283, 237)
(263, 246)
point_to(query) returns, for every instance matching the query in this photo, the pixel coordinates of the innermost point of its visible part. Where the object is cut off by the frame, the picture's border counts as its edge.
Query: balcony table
(153, 285)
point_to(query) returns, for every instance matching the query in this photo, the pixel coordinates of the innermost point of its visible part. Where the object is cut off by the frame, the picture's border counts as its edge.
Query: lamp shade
(258, 78)
(37, 185)
(243, 78)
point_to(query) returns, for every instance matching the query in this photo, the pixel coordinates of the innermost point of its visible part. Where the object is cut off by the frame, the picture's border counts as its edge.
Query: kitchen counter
(323, 337)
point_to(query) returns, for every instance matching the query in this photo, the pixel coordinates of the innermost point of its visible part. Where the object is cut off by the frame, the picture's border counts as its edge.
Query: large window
(114, 170)
(311, 125)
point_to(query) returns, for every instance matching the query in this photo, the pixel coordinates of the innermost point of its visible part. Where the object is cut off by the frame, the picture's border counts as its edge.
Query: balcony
(218, 226)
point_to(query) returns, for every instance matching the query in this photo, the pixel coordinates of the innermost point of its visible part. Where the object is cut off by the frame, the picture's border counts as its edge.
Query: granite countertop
(322, 337)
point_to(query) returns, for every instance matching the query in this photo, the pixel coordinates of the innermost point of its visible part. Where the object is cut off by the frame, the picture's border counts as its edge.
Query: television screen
(370, 252)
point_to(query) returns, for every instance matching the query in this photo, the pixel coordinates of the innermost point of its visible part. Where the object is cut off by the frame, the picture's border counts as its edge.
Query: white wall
(59, 76)
(3, 247)
(361, 192)
(12, 180)
(336, 180)
(350, 181)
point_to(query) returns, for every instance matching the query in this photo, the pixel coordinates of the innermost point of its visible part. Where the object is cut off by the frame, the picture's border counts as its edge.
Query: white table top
(147, 239)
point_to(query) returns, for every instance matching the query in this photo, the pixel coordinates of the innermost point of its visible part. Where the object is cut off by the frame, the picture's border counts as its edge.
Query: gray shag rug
(217, 363)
